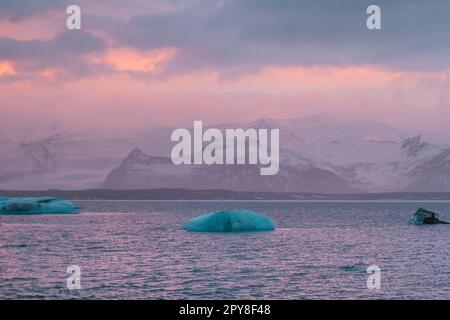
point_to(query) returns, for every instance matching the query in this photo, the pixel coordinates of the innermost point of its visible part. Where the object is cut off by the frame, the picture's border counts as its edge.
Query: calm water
(138, 250)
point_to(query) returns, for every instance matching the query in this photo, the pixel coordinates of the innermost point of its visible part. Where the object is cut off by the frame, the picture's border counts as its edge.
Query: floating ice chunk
(424, 216)
(230, 221)
(38, 205)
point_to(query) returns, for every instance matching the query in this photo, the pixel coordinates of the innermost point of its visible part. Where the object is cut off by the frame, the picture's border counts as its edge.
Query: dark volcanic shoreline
(185, 194)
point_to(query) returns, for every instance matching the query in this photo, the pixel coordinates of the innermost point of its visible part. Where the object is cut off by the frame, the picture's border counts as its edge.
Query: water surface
(139, 250)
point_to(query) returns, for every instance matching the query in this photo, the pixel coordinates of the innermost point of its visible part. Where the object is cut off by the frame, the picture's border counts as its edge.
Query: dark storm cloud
(74, 43)
(298, 32)
(239, 36)
(16, 10)
(66, 51)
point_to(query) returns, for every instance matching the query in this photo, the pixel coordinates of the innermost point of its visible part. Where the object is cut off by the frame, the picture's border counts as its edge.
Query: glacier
(230, 221)
(36, 205)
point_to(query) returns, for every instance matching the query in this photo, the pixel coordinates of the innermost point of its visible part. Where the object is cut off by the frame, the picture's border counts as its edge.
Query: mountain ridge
(320, 153)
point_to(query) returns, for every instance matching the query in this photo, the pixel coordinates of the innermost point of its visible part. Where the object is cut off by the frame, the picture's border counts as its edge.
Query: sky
(141, 63)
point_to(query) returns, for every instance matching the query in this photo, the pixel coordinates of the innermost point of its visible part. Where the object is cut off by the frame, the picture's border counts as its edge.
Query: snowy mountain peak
(263, 123)
(322, 118)
(135, 155)
(414, 145)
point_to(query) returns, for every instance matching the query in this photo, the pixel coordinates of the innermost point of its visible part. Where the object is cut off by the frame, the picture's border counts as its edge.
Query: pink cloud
(405, 99)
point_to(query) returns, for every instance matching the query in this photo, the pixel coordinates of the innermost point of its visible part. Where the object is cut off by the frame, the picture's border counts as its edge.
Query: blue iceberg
(230, 221)
(38, 205)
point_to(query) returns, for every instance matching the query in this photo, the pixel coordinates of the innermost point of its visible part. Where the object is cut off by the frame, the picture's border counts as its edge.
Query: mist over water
(138, 250)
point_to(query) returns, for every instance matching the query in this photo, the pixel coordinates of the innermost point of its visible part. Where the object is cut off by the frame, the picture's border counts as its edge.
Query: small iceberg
(230, 221)
(37, 205)
(424, 216)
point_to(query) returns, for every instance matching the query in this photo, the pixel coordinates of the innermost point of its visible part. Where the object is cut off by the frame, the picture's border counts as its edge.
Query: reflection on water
(138, 250)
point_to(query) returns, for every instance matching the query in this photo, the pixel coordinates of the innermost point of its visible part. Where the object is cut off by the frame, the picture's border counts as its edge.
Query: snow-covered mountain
(62, 161)
(141, 171)
(317, 154)
(416, 166)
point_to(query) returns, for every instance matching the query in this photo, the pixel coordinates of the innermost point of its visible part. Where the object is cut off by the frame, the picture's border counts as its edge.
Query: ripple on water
(319, 250)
